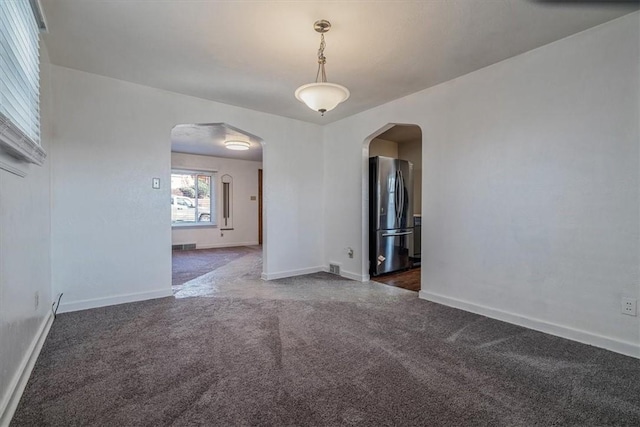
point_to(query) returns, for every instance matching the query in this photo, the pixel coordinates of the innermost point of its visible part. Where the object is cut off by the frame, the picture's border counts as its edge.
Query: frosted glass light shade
(322, 97)
(237, 145)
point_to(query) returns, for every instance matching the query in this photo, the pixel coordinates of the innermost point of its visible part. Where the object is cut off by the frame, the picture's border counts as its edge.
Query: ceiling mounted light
(237, 145)
(322, 96)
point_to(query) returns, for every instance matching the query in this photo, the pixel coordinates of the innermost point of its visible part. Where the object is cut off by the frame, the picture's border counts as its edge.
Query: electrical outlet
(629, 306)
(350, 252)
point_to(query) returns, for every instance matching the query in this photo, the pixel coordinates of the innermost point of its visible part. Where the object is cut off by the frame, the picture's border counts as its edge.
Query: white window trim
(213, 191)
(16, 147)
(193, 225)
(15, 142)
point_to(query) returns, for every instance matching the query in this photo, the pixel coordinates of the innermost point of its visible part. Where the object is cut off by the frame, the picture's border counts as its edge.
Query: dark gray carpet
(318, 351)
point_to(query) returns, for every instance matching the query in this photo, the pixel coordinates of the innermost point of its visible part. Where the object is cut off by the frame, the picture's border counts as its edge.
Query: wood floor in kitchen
(407, 279)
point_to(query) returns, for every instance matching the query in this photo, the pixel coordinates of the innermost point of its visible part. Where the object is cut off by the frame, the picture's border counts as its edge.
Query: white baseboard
(291, 273)
(19, 381)
(354, 276)
(226, 245)
(585, 337)
(66, 307)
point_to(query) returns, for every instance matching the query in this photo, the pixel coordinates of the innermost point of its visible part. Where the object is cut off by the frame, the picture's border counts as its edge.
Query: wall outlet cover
(629, 306)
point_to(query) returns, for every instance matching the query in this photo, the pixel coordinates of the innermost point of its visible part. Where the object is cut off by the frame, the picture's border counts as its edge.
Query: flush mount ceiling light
(237, 145)
(322, 96)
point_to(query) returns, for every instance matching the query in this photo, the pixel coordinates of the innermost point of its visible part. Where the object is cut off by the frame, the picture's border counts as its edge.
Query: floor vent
(334, 269)
(183, 247)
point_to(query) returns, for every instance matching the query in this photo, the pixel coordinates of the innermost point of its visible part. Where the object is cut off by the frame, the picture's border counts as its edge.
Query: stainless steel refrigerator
(390, 214)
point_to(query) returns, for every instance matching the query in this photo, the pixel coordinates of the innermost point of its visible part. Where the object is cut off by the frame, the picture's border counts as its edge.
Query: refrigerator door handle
(395, 197)
(399, 194)
(401, 197)
(404, 233)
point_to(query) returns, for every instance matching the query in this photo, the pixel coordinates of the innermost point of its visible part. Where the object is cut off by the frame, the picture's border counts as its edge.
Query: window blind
(20, 80)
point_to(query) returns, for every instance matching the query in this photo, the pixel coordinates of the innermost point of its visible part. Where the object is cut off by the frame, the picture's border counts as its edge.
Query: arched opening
(392, 205)
(216, 206)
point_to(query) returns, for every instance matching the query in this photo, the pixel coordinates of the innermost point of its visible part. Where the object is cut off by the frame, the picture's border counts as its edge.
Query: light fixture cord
(321, 61)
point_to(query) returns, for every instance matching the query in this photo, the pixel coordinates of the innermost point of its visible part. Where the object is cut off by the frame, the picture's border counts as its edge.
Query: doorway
(392, 193)
(216, 212)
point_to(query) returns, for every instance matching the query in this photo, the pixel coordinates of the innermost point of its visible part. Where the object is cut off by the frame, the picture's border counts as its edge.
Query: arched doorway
(216, 205)
(392, 205)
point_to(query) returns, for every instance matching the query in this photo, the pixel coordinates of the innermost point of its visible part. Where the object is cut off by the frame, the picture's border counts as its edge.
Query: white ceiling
(208, 140)
(254, 54)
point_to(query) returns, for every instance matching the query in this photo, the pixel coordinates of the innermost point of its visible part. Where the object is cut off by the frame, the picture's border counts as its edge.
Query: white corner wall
(111, 232)
(244, 210)
(25, 265)
(530, 199)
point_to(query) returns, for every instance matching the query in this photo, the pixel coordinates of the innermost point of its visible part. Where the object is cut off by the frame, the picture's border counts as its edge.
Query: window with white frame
(192, 198)
(20, 79)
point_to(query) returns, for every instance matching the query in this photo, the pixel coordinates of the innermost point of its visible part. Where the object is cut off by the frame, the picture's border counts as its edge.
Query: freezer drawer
(391, 250)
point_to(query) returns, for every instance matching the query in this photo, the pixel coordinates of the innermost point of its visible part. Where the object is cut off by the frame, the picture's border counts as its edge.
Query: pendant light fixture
(322, 96)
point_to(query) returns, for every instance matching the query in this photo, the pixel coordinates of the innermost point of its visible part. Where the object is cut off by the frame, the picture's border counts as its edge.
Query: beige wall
(382, 147)
(412, 151)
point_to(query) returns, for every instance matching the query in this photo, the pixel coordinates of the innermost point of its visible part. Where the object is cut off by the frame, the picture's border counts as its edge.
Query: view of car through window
(191, 196)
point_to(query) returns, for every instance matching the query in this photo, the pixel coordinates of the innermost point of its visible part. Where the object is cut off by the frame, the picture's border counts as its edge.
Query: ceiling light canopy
(237, 145)
(322, 96)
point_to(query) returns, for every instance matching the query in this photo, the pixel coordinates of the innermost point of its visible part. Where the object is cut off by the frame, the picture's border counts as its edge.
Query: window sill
(17, 148)
(191, 225)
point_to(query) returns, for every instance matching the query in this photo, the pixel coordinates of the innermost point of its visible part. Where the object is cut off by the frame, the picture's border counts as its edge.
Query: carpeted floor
(316, 350)
(187, 265)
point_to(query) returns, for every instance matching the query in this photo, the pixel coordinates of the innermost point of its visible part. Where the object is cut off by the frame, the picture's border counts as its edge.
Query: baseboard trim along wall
(291, 273)
(622, 347)
(226, 245)
(353, 276)
(66, 307)
(20, 379)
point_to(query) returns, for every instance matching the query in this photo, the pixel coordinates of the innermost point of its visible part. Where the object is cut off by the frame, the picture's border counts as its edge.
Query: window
(192, 198)
(20, 80)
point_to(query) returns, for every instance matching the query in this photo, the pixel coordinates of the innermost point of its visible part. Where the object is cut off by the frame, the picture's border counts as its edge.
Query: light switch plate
(155, 183)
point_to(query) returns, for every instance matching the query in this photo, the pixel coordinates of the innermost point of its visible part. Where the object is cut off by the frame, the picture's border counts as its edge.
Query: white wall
(111, 232)
(244, 210)
(530, 186)
(412, 151)
(25, 265)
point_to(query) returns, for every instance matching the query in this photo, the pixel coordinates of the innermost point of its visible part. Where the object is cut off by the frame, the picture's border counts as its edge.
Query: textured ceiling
(208, 140)
(254, 54)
